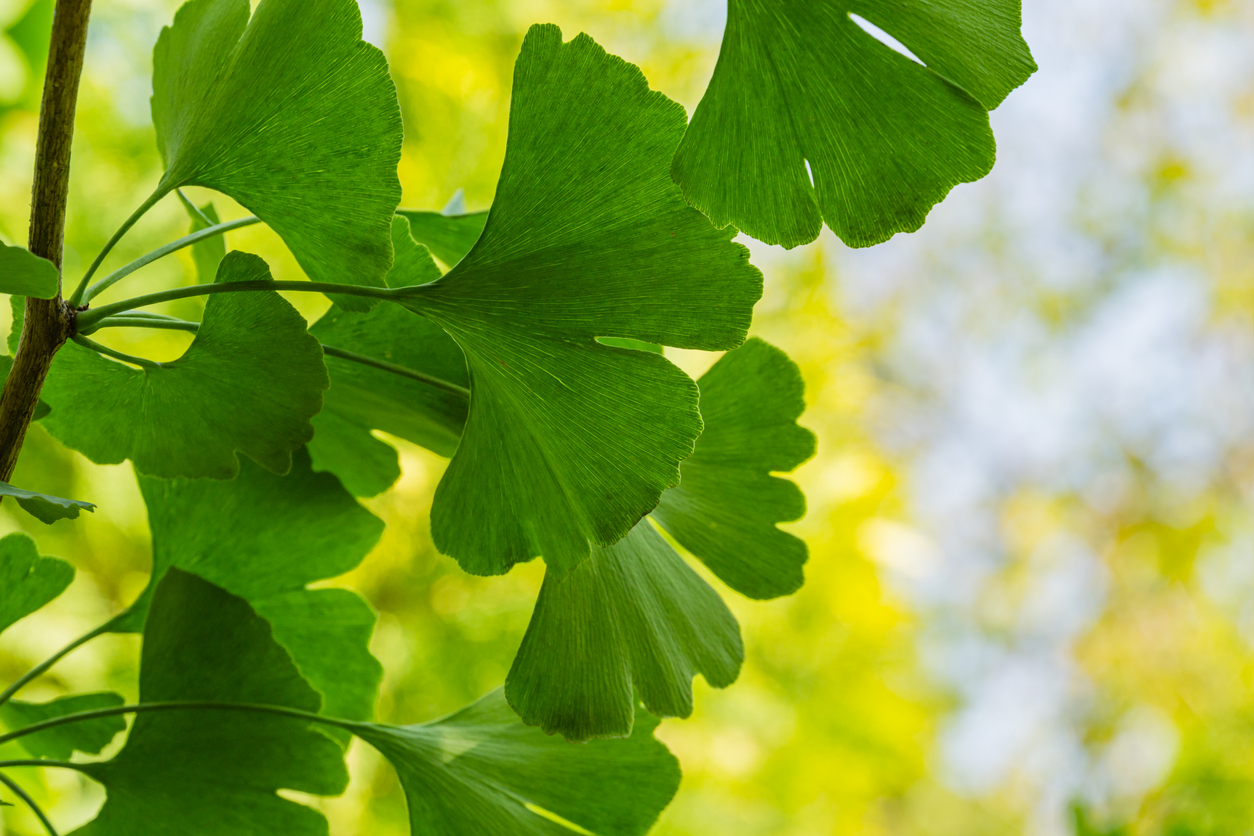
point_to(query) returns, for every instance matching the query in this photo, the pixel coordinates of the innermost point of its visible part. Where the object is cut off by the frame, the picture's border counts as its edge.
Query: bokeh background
(1030, 598)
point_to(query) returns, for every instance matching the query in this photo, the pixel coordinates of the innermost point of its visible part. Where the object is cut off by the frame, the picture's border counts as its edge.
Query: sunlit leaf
(59, 742)
(206, 254)
(799, 81)
(45, 508)
(633, 615)
(570, 442)
(250, 382)
(449, 237)
(22, 273)
(27, 580)
(480, 771)
(283, 112)
(215, 772)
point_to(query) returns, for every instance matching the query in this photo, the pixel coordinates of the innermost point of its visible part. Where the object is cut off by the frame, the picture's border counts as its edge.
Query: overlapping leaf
(570, 442)
(59, 742)
(799, 81)
(250, 382)
(22, 273)
(206, 254)
(43, 507)
(480, 771)
(449, 237)
(215, 772)
(283, 112)
(27, 579)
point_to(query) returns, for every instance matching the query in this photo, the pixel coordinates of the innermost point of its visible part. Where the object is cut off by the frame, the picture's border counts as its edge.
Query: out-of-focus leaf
(480, 771)
(27, 580)
(206, 254)
(59, 742)
(799, 81)
(725, 509)
(45, 508)
(215, 773)
(570, 442)
(250, 382)
(449, 237)
(22, 273)
(633, 614)
(283, 112)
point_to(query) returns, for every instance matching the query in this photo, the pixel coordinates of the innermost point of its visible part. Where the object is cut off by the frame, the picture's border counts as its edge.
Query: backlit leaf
(22, 273)
(449, 237)
(45, 508)
(206, 254)
(59, 742)
(27, 580)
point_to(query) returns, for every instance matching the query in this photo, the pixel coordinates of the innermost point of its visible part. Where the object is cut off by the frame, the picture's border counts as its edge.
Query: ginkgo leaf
(28, 580)
(570, 442)
(633, 614)
(59, 742)
(250, 382)
(362, 398)
(206, 254)
(285, 111)
(215, 772)
(449, 237)
(45, 508)
(725, 509)
(6, 362)
(809, 118)
(22, 273)
(480, 771)
(265, 538)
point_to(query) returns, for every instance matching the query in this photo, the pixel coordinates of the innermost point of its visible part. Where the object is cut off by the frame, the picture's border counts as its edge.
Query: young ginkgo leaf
(45, 508)
(885, 137)
(449, 237)
(362, 398)
(725, 509)
(206, 254)
(250, 382)
(480, 771)
(59, 742)
(28, 580)
(22, 273)
(633, 615)
(283, 112)
(570, 442)
(215, 773)
(265, 538)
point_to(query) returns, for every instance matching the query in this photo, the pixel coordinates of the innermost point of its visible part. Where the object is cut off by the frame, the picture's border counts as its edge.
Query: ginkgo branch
(30, 802)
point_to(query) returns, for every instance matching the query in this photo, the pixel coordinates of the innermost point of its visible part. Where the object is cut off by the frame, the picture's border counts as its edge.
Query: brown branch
(48, 323)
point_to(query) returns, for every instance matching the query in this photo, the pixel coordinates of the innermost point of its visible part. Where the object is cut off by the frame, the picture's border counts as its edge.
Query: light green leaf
(449, 237)
(725, 509)
(206, 254)
(362, 398)
(45, 508)
(633, 614)
(285, 111)
(570, 442)
(250, 382)
(215, 773)
(27, 580)
(265, 538)
(22, 273)
(799, 81)
(59, 742)
(481, 772)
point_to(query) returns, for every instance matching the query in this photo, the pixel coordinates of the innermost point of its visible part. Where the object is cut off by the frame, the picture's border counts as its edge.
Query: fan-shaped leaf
(27, 580)
(449, 237)
(799, 81)
(59, 742)
(22, 273)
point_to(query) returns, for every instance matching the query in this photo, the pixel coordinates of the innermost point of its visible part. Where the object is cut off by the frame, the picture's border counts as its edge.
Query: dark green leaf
(632, 614)
(570, 442)
(22, 273)
(45, 508)
(449, 237)
(285, 111)
(215, 773)
(250, 382)
(207, 254)
(60, 742)
(799, 81)
(725, 509)
(27, 580)
(482, 772)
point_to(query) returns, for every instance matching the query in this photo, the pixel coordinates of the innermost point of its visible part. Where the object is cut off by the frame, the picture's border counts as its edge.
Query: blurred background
(1030, 598)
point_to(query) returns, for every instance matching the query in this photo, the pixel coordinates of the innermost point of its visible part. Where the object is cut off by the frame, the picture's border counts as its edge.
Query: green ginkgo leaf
(481, 772)
(215, 773)
(449, 237)
(285, 111)
(725, 509)
(59, 742)
(570, 442)
(265, 538)
(885, 138)
(28, 580)
(250, 382)
(206, 254)
(633, 616)
(22, 273)
(45, 508)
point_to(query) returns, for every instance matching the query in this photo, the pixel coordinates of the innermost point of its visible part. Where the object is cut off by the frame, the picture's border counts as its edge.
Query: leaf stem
(174, 246)
(30, 802)
(43, 666)
(193, 208)
(77, 298)
(115, 354)
(41, 762)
